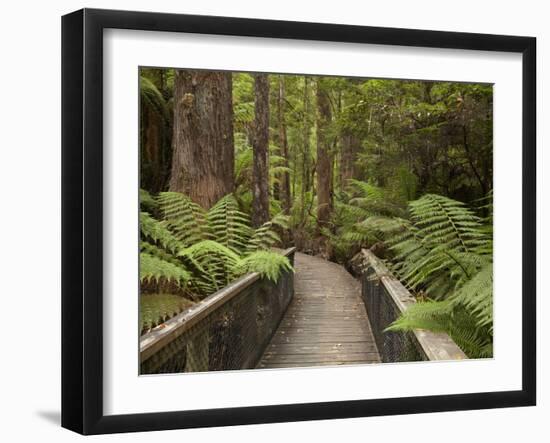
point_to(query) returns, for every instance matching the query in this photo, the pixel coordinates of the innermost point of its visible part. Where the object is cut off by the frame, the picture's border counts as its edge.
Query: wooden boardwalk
(326, 322)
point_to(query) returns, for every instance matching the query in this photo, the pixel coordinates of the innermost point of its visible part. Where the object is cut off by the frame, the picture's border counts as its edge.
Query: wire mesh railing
(386, 299)
(228, 330)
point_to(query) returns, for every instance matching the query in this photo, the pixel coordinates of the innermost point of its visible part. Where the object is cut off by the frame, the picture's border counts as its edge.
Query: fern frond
(158, 232)
(216, 261)
(159, 252)
(447, 222)
(445, 252)
(154, 269)
(155, 309)
(146, 201)
(265, 236)
(268, 264)
(476, 296)
(229, 226)
(444, 316)
(185, 218)
(429, 315)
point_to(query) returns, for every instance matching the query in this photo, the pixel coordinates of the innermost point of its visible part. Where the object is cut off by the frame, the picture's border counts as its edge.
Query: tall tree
(283, 141)
(260, 173)
(324, 161)
(203, 150)
(305, 151)
(348, 157)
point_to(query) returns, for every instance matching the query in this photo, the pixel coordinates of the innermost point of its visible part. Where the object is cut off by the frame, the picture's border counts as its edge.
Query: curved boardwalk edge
(326, 322)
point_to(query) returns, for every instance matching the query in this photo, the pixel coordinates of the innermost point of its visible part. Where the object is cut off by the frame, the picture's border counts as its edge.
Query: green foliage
(407, 139)
(444, 316)
(437, 251)
(353, 209)
(198, 252)
(157, 233)
(445, 255)
(155, 309)
(268, 264)
(184, 218)
(215, 261)
(229, 226)
(152, 97)
(154, 269)
(265, 236)
(146, 201)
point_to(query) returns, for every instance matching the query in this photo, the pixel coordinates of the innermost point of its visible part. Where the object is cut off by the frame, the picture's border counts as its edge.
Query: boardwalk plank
(326, 323)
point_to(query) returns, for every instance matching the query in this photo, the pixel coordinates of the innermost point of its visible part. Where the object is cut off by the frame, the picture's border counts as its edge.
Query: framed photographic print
(270, 221)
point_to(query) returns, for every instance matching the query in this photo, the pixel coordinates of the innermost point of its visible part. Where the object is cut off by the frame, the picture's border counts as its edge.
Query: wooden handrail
(435, 345)
(151, 342)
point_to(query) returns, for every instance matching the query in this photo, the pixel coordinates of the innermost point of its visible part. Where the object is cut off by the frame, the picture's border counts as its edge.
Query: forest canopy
(330, 165)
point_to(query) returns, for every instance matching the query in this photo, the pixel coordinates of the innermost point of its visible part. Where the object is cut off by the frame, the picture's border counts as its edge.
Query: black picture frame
(82, 218)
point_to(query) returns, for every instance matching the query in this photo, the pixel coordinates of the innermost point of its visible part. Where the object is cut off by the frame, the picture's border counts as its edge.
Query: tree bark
(260, 180)
(324, 169)
(305, 152)
(285, 176)
(203, 151)
(350, 147)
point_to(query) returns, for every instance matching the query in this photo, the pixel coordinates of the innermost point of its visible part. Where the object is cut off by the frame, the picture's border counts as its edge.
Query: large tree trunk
(203, 152)
(260, 180)
(324, 170)
(285, 176)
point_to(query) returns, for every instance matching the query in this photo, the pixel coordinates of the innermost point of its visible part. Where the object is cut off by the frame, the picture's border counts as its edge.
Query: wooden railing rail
(234, 313)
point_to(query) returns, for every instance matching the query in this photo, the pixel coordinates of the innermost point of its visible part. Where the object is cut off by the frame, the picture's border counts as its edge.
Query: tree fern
(209, 249)
(444, 253)
(436, 250)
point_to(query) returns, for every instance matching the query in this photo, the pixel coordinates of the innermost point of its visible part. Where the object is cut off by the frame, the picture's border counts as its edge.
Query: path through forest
(326, 323)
